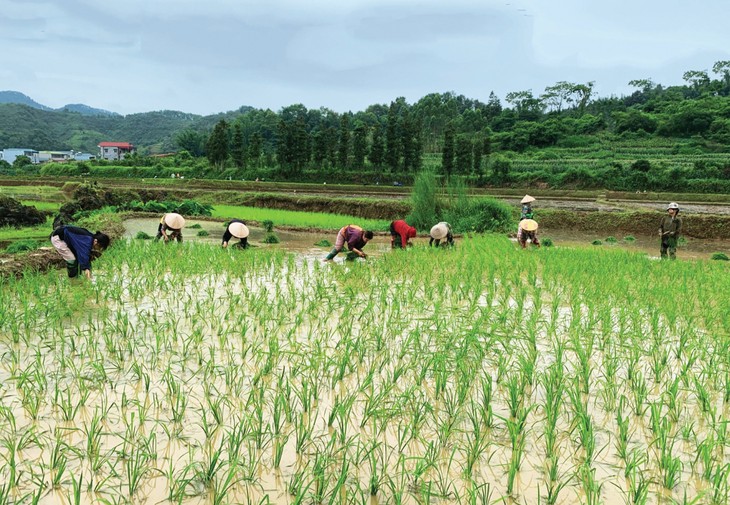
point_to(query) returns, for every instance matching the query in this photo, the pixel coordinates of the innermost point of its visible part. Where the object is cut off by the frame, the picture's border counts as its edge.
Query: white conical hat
(175, 221)
(439, 231)
(528, 224)
(238, 230)
(527, 199)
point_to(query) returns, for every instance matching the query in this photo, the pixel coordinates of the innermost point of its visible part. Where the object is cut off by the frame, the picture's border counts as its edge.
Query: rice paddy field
(482, 374)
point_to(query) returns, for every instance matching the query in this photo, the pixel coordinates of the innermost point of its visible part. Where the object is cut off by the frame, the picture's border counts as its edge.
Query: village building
(11, 153)
(115, 150)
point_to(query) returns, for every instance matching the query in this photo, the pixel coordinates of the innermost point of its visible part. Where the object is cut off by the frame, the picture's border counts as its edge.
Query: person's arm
(359, 252)
(404, 238)
(678, 228)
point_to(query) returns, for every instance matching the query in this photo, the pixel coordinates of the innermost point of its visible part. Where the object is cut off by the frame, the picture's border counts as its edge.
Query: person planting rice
(400, 232)
(170, 227)
(355, 237)
(76, 245)
(669, 230)
(527, 230)
(526, 212)
(439, 232)
(236, 228)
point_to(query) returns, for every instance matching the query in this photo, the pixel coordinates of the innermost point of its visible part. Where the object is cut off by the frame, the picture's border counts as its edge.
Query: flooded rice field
(186, 373)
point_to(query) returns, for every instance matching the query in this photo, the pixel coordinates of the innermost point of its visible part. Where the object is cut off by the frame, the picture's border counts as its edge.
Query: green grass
(298, 219)
(52, 206)
(27, 232)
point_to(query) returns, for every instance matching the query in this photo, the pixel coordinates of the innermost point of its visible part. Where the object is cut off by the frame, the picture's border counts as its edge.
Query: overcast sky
(208, 56)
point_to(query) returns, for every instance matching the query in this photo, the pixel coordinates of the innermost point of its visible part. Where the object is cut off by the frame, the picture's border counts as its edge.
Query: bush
(22, 245)
(718, 256)
(425, 206)
(143, 236)
(479, 215)
(14, 213)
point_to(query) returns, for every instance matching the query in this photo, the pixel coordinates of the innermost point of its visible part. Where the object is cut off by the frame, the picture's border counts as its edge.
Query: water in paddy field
(303, 242)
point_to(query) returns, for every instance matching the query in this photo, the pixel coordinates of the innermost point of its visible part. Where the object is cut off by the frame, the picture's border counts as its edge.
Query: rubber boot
(72, 267)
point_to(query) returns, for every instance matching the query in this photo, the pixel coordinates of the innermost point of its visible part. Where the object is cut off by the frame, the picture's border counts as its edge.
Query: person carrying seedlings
(76, 246)
(526, 212)
(170, 227)
(527, 229)
(669, 230)
(355, 237)
(439, 232)
(400, 232)
(236, 228)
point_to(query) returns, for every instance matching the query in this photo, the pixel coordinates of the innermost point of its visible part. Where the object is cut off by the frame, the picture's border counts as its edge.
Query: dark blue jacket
(80, 241)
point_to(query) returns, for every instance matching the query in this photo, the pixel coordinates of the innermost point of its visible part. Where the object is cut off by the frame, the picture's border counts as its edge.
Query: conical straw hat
(439, 231)
(175, 221)
(528, 224)
(238, 230)
(527, 199)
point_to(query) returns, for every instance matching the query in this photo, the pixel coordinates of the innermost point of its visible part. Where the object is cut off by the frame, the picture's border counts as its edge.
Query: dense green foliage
(657, 138)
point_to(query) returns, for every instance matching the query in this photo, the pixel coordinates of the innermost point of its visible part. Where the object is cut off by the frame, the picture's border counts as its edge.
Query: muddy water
(303, 242)
(691, 249)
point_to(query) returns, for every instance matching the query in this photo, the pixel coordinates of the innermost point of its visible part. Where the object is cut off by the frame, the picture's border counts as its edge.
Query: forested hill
(564, 115)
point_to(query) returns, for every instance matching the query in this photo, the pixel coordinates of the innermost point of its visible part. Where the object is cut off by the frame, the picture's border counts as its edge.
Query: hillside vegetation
(658, 138)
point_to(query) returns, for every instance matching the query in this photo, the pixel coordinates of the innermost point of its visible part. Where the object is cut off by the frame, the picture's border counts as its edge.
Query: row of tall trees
(464, 131)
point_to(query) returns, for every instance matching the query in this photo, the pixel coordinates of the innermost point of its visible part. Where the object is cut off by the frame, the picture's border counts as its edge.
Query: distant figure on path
(439, 232)
(400, 232)
(669, 230)
(236, 228)
(170, 227)
(355, 237)
(527, 230)
(75, 245)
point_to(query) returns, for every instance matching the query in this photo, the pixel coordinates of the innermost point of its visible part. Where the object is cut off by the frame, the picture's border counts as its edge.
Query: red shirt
(404, 230)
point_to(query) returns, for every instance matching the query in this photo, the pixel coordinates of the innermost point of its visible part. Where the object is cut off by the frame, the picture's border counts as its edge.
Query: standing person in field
(236, 228)
(527, 212)
(355, 237)
(76, 246)
(439, 232)
(669, 230)
(400, 232)
(527, 229)
(170, 227)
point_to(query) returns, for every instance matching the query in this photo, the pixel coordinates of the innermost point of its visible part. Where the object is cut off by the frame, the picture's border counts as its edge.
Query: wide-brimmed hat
(238, 230)
(527, 199)
(439, 231)
(175, 221)
(528, 224)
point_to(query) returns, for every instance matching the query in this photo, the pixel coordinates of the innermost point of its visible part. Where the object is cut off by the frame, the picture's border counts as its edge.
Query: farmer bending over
(75, 245)
(354, 236)
(400, 232)
(439, 232)
(170, 227)
(236, 228)
(527, 230)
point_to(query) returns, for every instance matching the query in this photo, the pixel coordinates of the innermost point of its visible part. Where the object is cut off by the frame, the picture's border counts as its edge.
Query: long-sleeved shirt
(80, 241)
(403, 229)
(670, 226)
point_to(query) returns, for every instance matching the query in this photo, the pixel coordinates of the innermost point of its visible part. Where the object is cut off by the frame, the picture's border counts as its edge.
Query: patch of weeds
(141, 235)
(22, 245)
(718, 256)
(323, 243)
(597, 242)
(203, 233)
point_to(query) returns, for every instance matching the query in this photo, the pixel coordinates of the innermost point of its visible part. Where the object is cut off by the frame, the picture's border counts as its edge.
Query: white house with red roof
(114, 150)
